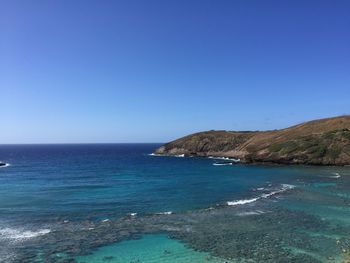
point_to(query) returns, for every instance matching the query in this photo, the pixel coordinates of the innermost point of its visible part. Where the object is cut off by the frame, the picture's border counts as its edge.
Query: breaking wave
(164, 213)
(224, 158)
(4, 165)
(220, 164)
(243, 201)
(155, 154)
(336, 176)
(169, 155)
(284, 187)
(19, 235)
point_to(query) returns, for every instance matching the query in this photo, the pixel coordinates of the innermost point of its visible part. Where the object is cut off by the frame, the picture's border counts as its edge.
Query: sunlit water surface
(118, 203)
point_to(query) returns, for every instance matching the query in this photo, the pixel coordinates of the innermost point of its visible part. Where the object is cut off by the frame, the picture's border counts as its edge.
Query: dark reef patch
(260, 232)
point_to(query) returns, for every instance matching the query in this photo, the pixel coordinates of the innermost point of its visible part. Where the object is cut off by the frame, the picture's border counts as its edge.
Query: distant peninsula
(317, 142)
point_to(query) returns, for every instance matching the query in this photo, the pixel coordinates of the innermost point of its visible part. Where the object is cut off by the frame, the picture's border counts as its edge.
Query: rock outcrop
(318, 142)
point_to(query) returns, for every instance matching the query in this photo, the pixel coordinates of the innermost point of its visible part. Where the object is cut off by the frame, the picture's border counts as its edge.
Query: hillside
(318, 142)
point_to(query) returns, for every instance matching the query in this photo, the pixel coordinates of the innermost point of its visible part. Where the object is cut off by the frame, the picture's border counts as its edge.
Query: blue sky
(151, 71)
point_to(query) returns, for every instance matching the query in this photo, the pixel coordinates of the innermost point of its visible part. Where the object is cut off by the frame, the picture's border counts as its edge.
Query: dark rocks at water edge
(318, 142)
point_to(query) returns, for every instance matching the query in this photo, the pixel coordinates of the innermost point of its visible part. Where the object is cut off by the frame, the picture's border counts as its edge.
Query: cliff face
(319, 142)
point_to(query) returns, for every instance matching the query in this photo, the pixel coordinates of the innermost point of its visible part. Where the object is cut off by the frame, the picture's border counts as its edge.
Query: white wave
(6, 165)
(132, 214)
(105, 220)
(154, 154)
(219, 164)
(169, 155)
(17, 234)
(285, 187)
(260, 188)
(219, 158)
(224, 158)
(336, 175)
(243, 201)
(164, 213)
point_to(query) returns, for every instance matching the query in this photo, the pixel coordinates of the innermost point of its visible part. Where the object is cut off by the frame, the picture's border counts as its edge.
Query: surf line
(285, 187)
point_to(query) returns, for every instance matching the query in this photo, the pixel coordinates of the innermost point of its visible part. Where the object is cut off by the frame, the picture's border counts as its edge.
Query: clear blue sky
(151, 71)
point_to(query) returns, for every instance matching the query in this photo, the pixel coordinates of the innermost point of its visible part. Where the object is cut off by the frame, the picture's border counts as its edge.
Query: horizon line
(72, 143)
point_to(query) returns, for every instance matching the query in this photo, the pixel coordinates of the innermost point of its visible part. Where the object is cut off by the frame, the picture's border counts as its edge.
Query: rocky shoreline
(319, 142)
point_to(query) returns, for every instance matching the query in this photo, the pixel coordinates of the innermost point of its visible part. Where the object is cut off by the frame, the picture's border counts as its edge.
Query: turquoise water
(117, 203)
(150, 248)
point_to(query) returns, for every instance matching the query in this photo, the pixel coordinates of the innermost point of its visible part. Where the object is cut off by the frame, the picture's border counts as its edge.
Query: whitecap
(154, 154)
(5, 165)
(171, 155)
(242, 202)
(220, 164)
(164, 213)
(224, 158)
(336, 176)
(17, 234)
(285, 187)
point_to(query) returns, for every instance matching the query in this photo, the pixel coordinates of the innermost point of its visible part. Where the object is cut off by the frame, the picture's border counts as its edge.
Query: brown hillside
(323, 142)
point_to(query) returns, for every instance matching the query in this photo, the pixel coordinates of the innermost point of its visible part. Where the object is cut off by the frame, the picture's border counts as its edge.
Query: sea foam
(18, 234)
(243, 201)
(6, 165)
(220, 164)
(284, 187)
(155, 154)
(164, 213)
(224, 158)
(169, 155)
(336, 175)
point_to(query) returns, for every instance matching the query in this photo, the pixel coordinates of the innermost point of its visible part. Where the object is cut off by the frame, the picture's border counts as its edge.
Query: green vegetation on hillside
(317, 146)
(325, 141)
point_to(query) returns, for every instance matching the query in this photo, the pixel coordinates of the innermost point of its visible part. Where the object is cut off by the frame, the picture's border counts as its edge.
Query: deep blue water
(46, 184)
(76, 181)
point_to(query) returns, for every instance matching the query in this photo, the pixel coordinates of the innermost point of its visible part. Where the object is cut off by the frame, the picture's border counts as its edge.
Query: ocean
(119, 203)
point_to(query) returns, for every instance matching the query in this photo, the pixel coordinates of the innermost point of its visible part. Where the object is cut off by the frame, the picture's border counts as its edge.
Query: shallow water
(150, 248)
(97, 203)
